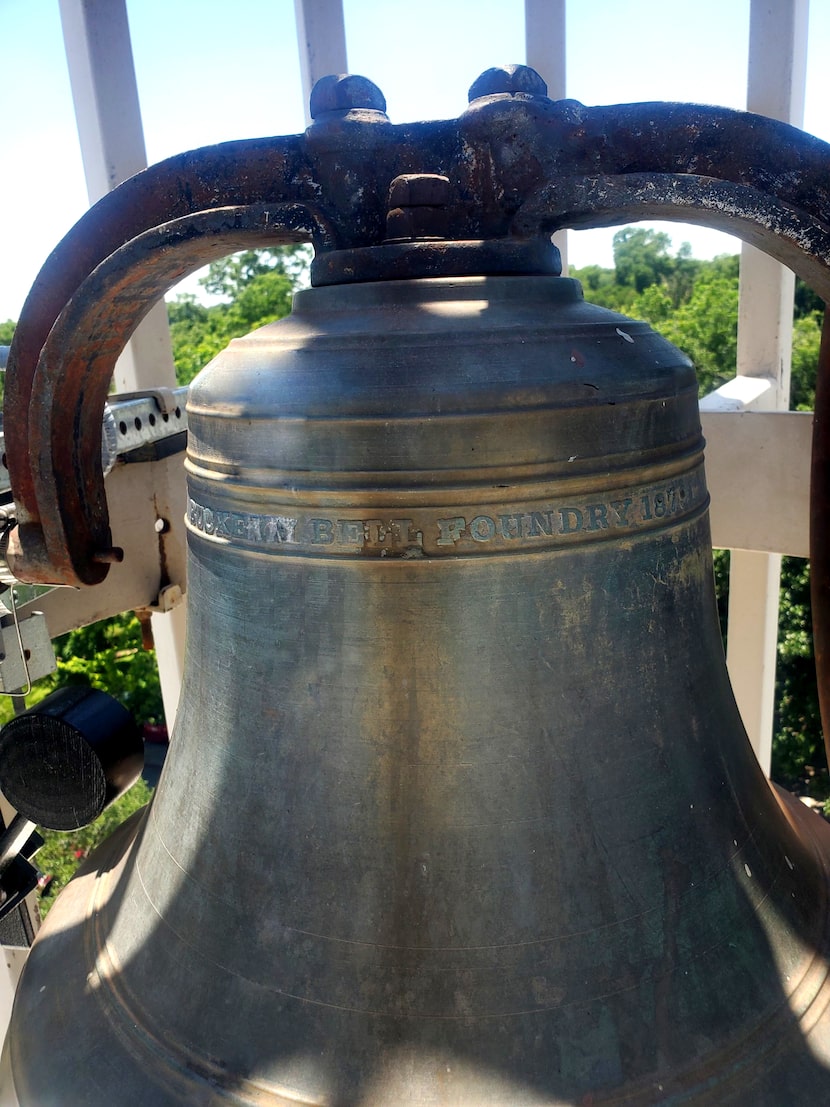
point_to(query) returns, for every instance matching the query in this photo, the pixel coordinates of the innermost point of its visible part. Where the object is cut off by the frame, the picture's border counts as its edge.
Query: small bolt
(344, 91)
(418, 190)
(508, 79)
(418, 206)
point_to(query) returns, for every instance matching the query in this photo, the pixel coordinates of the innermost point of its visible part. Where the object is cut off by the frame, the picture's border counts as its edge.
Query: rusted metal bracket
(519, 166)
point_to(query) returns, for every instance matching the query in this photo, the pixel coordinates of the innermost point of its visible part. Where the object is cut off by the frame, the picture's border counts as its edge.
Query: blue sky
(209, 71)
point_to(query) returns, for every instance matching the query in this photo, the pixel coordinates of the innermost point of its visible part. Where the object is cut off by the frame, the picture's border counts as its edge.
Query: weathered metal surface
(519, 165)
(458, 809)
(340, 93)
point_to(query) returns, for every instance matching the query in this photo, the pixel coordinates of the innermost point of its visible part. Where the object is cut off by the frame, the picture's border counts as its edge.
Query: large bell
(459, 809)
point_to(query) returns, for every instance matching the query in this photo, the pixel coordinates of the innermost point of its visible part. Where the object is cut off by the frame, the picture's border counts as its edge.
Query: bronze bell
(459, 808)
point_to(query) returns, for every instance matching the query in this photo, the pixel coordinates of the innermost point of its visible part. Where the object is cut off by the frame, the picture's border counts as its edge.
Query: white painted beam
(545, 43)
(775, 87)
(98, 50)
(758, 473)
(134, 493)
(546, 52)
(321, 40)
(742, 393)
(778, 59)
(105, 94)
(751, 645)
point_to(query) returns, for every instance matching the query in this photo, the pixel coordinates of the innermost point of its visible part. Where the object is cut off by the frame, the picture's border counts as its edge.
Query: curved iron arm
(793, 237)
(519, 165)
(68, 395)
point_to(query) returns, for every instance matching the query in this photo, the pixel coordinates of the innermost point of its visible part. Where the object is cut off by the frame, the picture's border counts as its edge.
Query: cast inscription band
(478, 530)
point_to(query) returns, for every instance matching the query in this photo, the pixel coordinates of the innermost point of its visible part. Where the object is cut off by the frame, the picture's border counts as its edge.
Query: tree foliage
(6, 333)
(705, 326)
(798, 757)
(62, 852)
(642, 258)
(806, 340)
(111, 656)
(255, 288)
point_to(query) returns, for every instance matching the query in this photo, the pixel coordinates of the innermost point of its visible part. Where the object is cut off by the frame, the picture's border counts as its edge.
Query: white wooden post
(102, 75)
(321, 40)
(546, 52)
(775, 87)
(545, 47)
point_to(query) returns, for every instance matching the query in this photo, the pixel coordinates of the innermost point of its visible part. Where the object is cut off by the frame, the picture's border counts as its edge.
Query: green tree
(641, 257)
(256, 287)
(706, 328)
(197, 334)
(6, 332)
(806, 341)
(798, 757)
(807, 302)
(108, 655)
(654, 305)
(644, 273)
(230, 276)
(63, 852)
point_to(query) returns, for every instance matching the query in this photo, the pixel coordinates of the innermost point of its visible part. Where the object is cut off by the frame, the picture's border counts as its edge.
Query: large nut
(417, 190)
(508, 79)
(343, 92)
(418, 206)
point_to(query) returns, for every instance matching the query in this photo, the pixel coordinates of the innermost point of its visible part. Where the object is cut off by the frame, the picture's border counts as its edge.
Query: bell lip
(175, 1069)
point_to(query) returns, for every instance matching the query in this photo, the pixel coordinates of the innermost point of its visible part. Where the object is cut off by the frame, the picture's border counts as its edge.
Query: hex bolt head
(418, 207)
(508, 79)
(344, 91)
(418, 190)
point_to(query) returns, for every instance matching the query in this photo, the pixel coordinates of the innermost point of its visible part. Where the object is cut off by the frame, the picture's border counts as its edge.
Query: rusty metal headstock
(519, 167)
